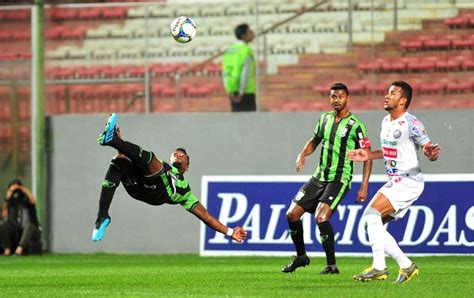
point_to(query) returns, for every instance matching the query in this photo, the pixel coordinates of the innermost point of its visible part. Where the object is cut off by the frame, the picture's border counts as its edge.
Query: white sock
(376, 231)
(392, 249)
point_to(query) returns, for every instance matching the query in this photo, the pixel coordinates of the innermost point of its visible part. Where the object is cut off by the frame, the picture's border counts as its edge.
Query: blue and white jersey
(400, 140)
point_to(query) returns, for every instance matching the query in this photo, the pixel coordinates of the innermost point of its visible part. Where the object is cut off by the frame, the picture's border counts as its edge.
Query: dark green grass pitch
(191, 275)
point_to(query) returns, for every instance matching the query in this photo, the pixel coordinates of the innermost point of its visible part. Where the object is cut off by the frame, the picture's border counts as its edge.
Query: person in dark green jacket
(150, 180)
(239, 73)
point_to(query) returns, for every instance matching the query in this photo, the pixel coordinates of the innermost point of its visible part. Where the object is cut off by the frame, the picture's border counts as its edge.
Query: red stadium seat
(317, 105)
(381, 88)
(24, 55)
(5, 135)
(17, 15)
(168, 91)
(471, 21)
(78, 32)
(55, 101)
(21, 35)
(322, 89)
(133, 90)
(449, 64)
(113, 72)
(411, 45)
(424, 64)
(160, 70)
(436, 43)
(375, 66)
(199, 91)
(8, 56)
(457, 22)
(468, 64)
(24, 108)
(114, 12)
(136, 71)
(88, 72)
(25, 133)
(156, 90)
(212, 69)
(5, 35)
(61, 72)
(5, 111)
(90, 13)
(55, 32)
(466, 42)
(458, 87)
(64, 14)
(357, 87)
(394, 65)
(435, 87)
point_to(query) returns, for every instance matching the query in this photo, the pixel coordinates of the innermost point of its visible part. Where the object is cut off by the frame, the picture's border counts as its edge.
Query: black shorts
(247, 104)
(314, 191)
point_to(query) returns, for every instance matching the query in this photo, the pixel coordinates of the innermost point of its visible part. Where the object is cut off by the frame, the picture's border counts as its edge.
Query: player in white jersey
(401, 136)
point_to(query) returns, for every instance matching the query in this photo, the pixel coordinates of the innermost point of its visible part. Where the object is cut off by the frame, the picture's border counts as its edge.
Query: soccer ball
(183, 29)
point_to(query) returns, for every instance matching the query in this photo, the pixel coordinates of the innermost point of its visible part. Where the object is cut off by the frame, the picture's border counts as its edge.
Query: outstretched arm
(308, 149)
(363, 155)
(238, 233)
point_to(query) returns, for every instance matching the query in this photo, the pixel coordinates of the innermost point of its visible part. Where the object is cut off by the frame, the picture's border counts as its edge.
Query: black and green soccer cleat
(298, 261)
(371, 274)
(406, 274)
(331, 269)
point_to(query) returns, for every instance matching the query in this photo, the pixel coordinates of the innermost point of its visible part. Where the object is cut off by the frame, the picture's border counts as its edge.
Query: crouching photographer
(20, 230)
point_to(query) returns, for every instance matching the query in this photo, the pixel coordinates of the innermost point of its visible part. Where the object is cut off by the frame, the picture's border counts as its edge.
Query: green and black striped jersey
(167, 186)
(177, 187)
(337, 138)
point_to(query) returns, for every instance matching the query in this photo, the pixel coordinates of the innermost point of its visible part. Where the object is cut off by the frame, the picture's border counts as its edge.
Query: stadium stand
(95, 57)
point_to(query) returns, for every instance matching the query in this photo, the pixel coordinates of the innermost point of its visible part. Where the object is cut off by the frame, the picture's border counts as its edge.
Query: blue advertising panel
(441, 221)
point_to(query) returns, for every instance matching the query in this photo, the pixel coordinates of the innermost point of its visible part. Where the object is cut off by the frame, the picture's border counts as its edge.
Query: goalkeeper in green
(238, 71)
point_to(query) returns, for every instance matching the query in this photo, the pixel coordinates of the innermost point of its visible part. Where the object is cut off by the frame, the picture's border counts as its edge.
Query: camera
(17, 197)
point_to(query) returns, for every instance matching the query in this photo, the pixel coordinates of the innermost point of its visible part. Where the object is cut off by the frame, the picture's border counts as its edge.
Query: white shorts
(402, 192)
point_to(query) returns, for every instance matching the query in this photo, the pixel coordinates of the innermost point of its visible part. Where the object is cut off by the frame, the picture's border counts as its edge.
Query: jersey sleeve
(184, 195)
(362, 138)
(189, 201)
(318, 128)
(417, 132)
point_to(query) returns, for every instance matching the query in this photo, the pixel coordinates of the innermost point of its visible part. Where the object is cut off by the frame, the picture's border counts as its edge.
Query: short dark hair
(15, 181)
(406, 89)
(340, 86)
(184, 151)
(240, 30)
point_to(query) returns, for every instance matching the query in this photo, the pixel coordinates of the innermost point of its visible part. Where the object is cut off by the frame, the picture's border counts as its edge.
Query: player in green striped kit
(338, 132)
(150, 180)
